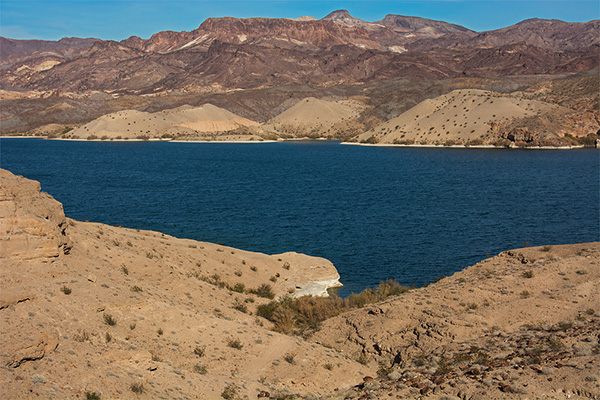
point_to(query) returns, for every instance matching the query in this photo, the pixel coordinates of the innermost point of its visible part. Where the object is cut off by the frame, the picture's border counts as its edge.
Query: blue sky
(119, 19)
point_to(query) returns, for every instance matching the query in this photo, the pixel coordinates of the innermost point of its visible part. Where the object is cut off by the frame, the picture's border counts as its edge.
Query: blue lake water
(403, 213)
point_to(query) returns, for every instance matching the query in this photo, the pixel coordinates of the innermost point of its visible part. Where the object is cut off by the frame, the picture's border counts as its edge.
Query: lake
(411, 214)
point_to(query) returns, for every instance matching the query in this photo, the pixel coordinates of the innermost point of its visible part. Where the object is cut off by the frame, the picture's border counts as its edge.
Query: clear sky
(119, 19)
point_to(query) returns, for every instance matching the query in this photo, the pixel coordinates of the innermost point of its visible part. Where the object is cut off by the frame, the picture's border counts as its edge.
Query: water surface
(411, 214)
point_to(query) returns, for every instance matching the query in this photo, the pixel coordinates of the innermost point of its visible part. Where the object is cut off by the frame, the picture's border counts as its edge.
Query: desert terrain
(338, 77)
(97, 311)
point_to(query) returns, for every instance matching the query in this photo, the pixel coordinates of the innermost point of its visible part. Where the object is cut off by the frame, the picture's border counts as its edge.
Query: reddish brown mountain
(12, 47)
(232, 53)
(547, 34)
(404, 24)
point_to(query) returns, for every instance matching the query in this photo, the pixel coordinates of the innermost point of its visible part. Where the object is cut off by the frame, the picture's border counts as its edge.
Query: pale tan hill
(459, 117)
(315, 117)
(89, 308)
(206, 118)
(185, 122)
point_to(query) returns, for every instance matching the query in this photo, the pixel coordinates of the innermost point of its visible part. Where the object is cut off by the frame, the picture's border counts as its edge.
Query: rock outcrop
(32, 223)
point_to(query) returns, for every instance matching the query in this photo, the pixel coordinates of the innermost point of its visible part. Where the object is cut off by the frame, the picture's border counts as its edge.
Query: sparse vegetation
(136, 289)
(528, 274)
(199, 351)
(265, 290)
(65, 290)
(304, 314)
(240, 305)
(160, 331)
(109, 320)
(81, 336)
(137, 388)
(200, 369)
(92, 396)
(230, 391)
(239, 287)
(234, 343)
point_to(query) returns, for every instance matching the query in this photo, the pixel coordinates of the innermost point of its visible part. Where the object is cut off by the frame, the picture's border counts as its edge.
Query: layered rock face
(32, 223)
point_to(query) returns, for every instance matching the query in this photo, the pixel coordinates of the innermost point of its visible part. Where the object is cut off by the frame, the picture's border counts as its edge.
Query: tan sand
(460, 116)
(187, 121)
(314, 117)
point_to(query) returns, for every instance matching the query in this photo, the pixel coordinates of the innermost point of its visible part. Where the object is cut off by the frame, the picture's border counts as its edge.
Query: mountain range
(233, 53)
(257, 67)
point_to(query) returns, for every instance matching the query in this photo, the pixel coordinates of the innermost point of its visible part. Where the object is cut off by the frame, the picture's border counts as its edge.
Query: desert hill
(184, 121)
(475, 117)
(522, 324)
(89, 308)
(315, 118)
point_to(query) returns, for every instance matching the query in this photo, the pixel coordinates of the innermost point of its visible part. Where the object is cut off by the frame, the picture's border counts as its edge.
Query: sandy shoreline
(456, 146)
(302, 140)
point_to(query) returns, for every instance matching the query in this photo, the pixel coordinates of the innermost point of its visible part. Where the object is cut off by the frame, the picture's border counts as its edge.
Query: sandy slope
(523, 324)
(58, 345)
(187, 121)
(315, 117)
(459, 116)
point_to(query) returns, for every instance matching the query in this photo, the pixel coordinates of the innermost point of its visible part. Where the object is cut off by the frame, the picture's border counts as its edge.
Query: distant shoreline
(456, 146)
(462, 146)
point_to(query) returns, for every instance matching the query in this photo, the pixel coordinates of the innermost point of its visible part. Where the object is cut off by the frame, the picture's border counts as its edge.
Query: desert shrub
(303, 315)
(200, 369)
(383, 370)
(239, 288)
(230, 391)
(109, 320)
(362, 358)
(199, 351)
(65, 290)
(81, 336)
(234, 343)
(240, 305)
(528, 274)
(137, 388)
(265, 290)
(92, 396)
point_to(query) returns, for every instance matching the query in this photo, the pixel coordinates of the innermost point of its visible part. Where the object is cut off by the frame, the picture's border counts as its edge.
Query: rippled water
(377, 213)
